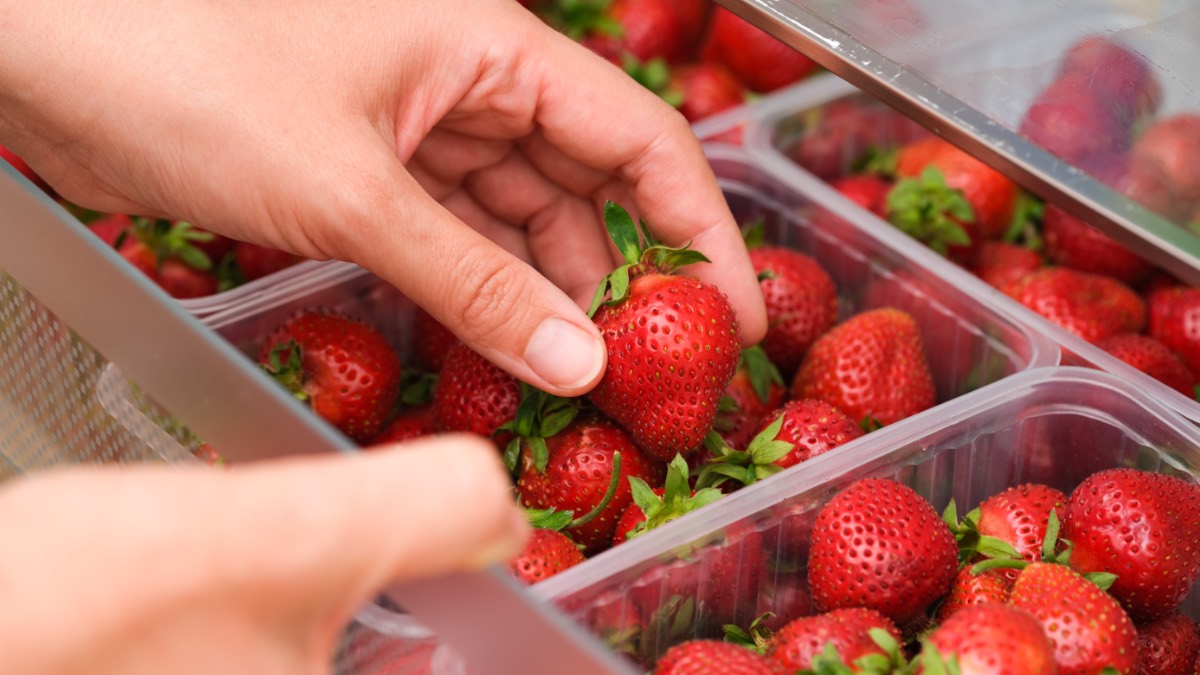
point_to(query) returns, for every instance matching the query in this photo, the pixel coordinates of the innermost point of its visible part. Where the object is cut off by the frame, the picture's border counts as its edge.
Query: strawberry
(706, 89)
(994, 639)
(1070, 242)
(754, 57)
(783, 599)
(547, 553)
(344, 368)
(706, 657)
(1074, 122)
(802, 303)
(474, 395)
(835, 138)
(871, 367)
(845, 630)
(1152, 357)
(1020, 517)
(256, 262)
(880, 545)
(655, 507)
(1169, 147)
(209, 455)
(1169, 646)
(969, 588)
(1175, 321)
(939, 216)
(1143, 527)
(991, 195)
(431, 340)
(670, 337)
(869, 191)
(1001, 264)
(1087, 627)
(111, 228)
(756, 389)
(1118, 75)
(571, 470)
(807, 427)
(408, 424)
(645, 29)
(168, 253)
(1088, 305)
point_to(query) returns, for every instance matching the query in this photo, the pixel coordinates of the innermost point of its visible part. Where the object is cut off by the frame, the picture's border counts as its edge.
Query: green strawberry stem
(756, 462)
(971, 543)
(553, 519)
(761, 371)
(286, 366)
(757, 638)
(640, 250)
(1027, 216)
(677, 498)
(539, 416)
(927, 209)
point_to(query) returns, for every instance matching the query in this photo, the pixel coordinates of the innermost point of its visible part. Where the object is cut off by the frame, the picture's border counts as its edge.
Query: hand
(250, 570)
(376, 133)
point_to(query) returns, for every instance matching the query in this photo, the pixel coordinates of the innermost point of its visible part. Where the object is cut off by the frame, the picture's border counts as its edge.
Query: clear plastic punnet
(780, 138)
(1051, 426)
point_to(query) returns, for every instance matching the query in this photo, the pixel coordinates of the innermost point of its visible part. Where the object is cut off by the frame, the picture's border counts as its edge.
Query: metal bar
(220, 395)
(1148, 234)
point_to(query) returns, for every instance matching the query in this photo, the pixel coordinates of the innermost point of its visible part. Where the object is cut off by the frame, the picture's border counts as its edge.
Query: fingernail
(505, 548)
(564, 355)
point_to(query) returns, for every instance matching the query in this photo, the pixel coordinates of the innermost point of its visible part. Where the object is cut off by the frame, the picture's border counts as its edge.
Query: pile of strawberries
(681, 417)
(699, 57)
(1045, 258)
(1032, 581)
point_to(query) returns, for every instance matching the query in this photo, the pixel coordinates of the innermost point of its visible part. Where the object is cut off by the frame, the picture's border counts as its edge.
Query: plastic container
(218, 302)
(1054, 426)
(773, 137)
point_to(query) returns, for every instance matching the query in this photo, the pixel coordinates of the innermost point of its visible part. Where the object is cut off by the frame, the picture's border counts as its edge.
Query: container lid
(1067, 97)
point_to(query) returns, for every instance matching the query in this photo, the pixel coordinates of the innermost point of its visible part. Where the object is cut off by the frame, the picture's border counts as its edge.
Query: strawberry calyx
(553, 519)
(754, 234)
(654, 75)
(756, 462)
(930, 211)
(581, 18)
(228, 274)
(1026, 222)
(971, 544)
(167, 239)
(642, 253)
(677, 498)
(829, 662)
(756, 638)
(285, 365)
(762, 372)
(416, 388)
(539, 416)
(878, 160)
(931, 661)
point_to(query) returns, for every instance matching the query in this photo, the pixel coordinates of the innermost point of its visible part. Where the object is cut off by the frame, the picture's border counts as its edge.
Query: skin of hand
(460, 150)
(171, 574)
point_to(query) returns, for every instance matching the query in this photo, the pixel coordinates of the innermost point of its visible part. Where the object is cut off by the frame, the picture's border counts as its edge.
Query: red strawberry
(110, 227)
(209, 455)
(928, 210)
(813, 427)
(707, 657)
(755, 390)
(1086, 626)
(547, 553)
(1070, 242)
(431, 340)
(654, 507)
(256, 262)
(342, 367)
(1168, 646)
(673, 338)
(871, 366)
(1088, 305)
(705, 90)
(20, 165)
(168, 253)
(754, 57)
(1002, 264)
(1175, 321)
(182, 281)
(1118, 75)
(1074, 122)
(1019, 516)
(1152, 357)
(1143, 527)
(880, 545)
(1169, 147)
(645, 29)
(995, 639)
(968, 589)
(869, 191)
(836, 137)
(474, 395)
(785, 598)
(802, 303)
(796, 645)
(991, 195)
(408, 424)
(575, 474)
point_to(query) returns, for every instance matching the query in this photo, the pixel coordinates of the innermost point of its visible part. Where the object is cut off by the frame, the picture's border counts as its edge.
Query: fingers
(499, 305)
(650, 147)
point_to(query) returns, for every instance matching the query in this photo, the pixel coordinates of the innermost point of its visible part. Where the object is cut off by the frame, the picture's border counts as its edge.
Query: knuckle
(489, 288)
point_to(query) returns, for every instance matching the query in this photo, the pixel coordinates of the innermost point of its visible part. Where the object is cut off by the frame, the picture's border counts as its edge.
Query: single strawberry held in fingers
(871, 367)
(344, 368)
(671, 339)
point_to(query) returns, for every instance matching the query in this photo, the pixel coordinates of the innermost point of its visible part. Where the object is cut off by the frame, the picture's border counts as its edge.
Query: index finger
(633, 134)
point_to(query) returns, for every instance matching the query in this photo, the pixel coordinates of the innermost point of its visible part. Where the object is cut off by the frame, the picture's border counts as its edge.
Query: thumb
(496, 303)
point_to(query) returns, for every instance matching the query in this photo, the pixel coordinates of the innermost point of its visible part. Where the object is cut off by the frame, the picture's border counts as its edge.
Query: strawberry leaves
(761, 371)
(640, 249)
(539, 416)
(756, 462)
(166, 239)
(677, 498)
(930, 211)
(285, 365)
